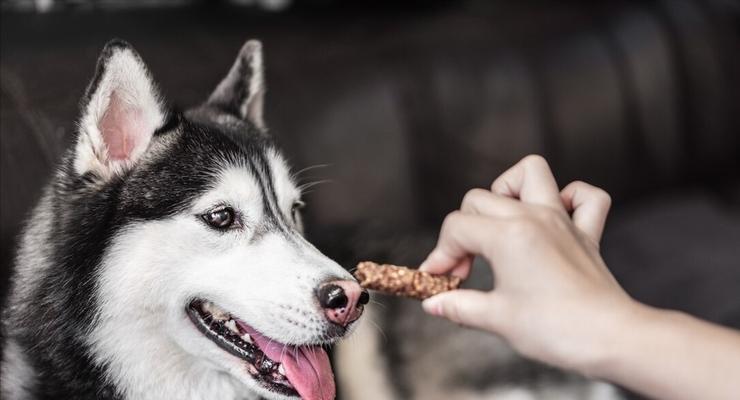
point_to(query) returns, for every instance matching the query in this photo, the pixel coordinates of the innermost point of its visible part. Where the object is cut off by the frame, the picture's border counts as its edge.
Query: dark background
(409, 104)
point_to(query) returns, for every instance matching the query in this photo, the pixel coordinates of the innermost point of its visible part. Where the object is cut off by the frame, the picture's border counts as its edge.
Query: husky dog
(166, 258)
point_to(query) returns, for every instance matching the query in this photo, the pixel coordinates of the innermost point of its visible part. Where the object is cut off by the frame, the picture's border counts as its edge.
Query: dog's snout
(342, 301)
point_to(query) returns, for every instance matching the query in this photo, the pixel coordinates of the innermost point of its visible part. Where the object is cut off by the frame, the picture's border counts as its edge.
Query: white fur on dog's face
(154, 268)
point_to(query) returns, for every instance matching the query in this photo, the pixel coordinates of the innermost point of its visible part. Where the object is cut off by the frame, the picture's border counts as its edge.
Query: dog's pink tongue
(310, 373)
(306, 367)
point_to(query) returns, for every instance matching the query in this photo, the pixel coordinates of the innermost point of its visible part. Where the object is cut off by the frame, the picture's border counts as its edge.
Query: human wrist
(616, 337)
(649, 355)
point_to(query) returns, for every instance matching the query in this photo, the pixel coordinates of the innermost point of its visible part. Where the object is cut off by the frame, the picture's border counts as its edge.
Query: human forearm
(671, 355)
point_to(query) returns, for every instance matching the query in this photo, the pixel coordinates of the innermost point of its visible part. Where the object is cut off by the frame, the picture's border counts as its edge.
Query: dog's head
(207, 287)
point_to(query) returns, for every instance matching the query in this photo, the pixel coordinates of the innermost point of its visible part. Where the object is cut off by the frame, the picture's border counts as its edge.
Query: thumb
(471, 308)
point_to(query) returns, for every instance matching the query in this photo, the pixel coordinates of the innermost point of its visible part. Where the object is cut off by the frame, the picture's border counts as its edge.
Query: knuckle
(578, 184)
(535, 161)
(451, 219)
(473, 195)
(603, 196)
(594, 192)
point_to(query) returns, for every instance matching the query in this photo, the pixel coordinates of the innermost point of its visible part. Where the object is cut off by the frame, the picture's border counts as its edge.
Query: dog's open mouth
(290, 370)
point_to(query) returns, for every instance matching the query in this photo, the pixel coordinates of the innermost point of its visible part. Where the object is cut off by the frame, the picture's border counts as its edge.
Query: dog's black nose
(332, 296)
(364, 298)
(342, 301)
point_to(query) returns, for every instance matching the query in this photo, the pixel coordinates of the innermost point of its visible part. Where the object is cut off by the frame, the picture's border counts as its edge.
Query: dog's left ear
(121, 111)
(242, 92)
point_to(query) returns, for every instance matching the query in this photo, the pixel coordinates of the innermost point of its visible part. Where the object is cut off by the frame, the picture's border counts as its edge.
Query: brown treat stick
(402, 281)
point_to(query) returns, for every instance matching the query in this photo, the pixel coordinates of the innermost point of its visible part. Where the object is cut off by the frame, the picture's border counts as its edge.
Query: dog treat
(402, 281)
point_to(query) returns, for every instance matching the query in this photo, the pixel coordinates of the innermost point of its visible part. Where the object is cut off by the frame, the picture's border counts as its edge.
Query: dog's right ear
(121, 111)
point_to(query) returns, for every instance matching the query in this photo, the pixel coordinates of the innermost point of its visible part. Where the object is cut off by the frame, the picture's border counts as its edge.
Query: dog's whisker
(309, 168)
(309, 185)
(380, 330)
(377, 303)
(282, 353)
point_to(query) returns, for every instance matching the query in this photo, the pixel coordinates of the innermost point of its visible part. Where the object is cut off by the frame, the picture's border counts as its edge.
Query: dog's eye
(296, 209)
(220, 218)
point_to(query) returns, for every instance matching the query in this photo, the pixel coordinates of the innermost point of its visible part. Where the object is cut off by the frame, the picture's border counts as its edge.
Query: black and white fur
(117, 246)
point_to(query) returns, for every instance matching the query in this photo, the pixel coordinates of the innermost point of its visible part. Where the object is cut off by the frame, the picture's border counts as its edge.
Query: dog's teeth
(216, 312)
(281, 369)
(252, 369)
(231, 324)
(247, 338)
(208, 307)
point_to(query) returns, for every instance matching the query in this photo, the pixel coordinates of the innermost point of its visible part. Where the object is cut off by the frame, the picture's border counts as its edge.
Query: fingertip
(435, 262)
(432, 306)
(425, 265)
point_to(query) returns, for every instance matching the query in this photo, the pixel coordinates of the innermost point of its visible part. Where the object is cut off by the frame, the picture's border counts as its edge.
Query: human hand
(554, 298)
